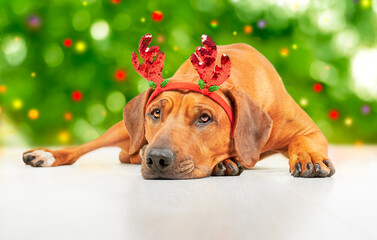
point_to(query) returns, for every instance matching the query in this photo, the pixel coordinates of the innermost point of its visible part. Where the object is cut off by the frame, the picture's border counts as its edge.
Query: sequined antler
(150, 69)
(211, 75)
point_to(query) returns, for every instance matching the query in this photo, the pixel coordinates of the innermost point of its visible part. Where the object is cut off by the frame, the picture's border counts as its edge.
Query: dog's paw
(38, 158)
(311, 165)
(228, 168)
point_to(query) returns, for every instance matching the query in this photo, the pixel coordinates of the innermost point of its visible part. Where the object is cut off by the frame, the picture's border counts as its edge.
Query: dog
(188, 132)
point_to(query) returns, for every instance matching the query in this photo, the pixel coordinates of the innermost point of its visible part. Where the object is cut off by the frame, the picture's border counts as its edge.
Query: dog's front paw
(229, 167)
(311, 165)
(38, 158)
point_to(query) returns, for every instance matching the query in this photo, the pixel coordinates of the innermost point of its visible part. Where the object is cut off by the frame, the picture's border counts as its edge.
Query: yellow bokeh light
(85, 3)
(365, 3)
(17, 104)
(304, 102)
(348, 121)
(142, 20)
(64, 136)
(358, 143)
(175, 48)
(295, 6)
(33, 114)
(33, 74)
(294, 46)
(234, 33)
(80, 46)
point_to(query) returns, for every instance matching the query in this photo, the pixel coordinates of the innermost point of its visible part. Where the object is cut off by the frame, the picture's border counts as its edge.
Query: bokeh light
(364, 73)
(77, 96)
(115, 101)
(96, 113)
(53, 55)
(33, 114)
(14, 49)
(17, 104)
(100, 30)
(157, 16)
(67, 42)
(3, 89)
(81, 20)
(120, 75)
(64, 136)
(80, 46)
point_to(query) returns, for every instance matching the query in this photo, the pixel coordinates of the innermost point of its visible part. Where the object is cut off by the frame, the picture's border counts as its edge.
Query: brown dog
(185, 134)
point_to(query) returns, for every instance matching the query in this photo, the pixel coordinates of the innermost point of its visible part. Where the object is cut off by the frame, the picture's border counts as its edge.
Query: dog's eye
(156, 113)
(204, 118)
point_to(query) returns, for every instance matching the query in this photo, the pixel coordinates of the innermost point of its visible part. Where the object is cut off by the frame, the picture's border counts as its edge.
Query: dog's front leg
(308, 156)
(117, 136)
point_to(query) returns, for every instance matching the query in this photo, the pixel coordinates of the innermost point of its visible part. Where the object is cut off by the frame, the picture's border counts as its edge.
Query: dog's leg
(117, 136)
(308, 156)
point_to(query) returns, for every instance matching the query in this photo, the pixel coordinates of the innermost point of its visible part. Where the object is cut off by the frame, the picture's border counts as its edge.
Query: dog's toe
(219, 170)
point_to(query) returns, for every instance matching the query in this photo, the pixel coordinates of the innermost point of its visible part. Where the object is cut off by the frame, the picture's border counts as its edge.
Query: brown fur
(267, 120)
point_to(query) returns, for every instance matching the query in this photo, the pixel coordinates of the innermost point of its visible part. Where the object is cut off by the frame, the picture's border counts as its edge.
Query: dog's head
(184, 134)
(183, 131)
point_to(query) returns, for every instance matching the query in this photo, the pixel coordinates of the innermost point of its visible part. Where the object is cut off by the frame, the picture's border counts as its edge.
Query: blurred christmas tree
(65, 69)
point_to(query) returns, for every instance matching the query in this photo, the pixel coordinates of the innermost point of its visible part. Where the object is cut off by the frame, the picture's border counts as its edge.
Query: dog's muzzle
(158, 159)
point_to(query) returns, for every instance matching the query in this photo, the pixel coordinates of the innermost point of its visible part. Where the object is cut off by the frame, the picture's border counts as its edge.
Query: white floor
(99, 198)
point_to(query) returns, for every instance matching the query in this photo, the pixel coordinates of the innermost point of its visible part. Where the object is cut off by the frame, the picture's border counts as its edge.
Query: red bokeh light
(317, 87)
(157, 16)
(67, 42)
(334, 114)
(77, 96)
(120, 75)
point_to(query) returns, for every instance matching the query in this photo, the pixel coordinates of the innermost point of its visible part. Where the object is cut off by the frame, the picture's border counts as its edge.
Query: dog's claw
(28, 158)
(297, 171)
(309, 171)
(39, 163)
(316, 167)
(219, 169)
(240, 168)
(329, 164)
(231, 170)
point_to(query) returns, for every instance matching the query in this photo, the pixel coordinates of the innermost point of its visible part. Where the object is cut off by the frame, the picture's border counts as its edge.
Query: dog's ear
(133, 115)
(252, 126)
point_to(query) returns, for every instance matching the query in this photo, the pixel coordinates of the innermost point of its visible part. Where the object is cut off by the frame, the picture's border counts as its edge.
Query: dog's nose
(159, 158)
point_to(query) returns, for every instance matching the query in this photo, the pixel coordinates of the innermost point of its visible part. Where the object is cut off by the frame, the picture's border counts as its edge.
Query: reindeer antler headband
(211, 75)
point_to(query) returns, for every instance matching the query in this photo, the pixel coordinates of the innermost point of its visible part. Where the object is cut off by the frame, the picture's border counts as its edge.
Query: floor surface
(99, 198)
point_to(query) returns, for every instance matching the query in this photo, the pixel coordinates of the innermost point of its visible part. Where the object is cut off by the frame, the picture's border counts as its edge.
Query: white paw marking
(47, 158)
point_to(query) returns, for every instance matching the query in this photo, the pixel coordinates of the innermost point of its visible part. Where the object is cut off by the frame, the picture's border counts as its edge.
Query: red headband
(211, 75)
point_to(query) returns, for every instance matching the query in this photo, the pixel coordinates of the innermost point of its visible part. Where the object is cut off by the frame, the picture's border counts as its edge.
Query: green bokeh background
(326, 42)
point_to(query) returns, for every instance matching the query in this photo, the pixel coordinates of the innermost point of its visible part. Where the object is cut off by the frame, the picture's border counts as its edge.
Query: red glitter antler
(211, 76)
(150, 69)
